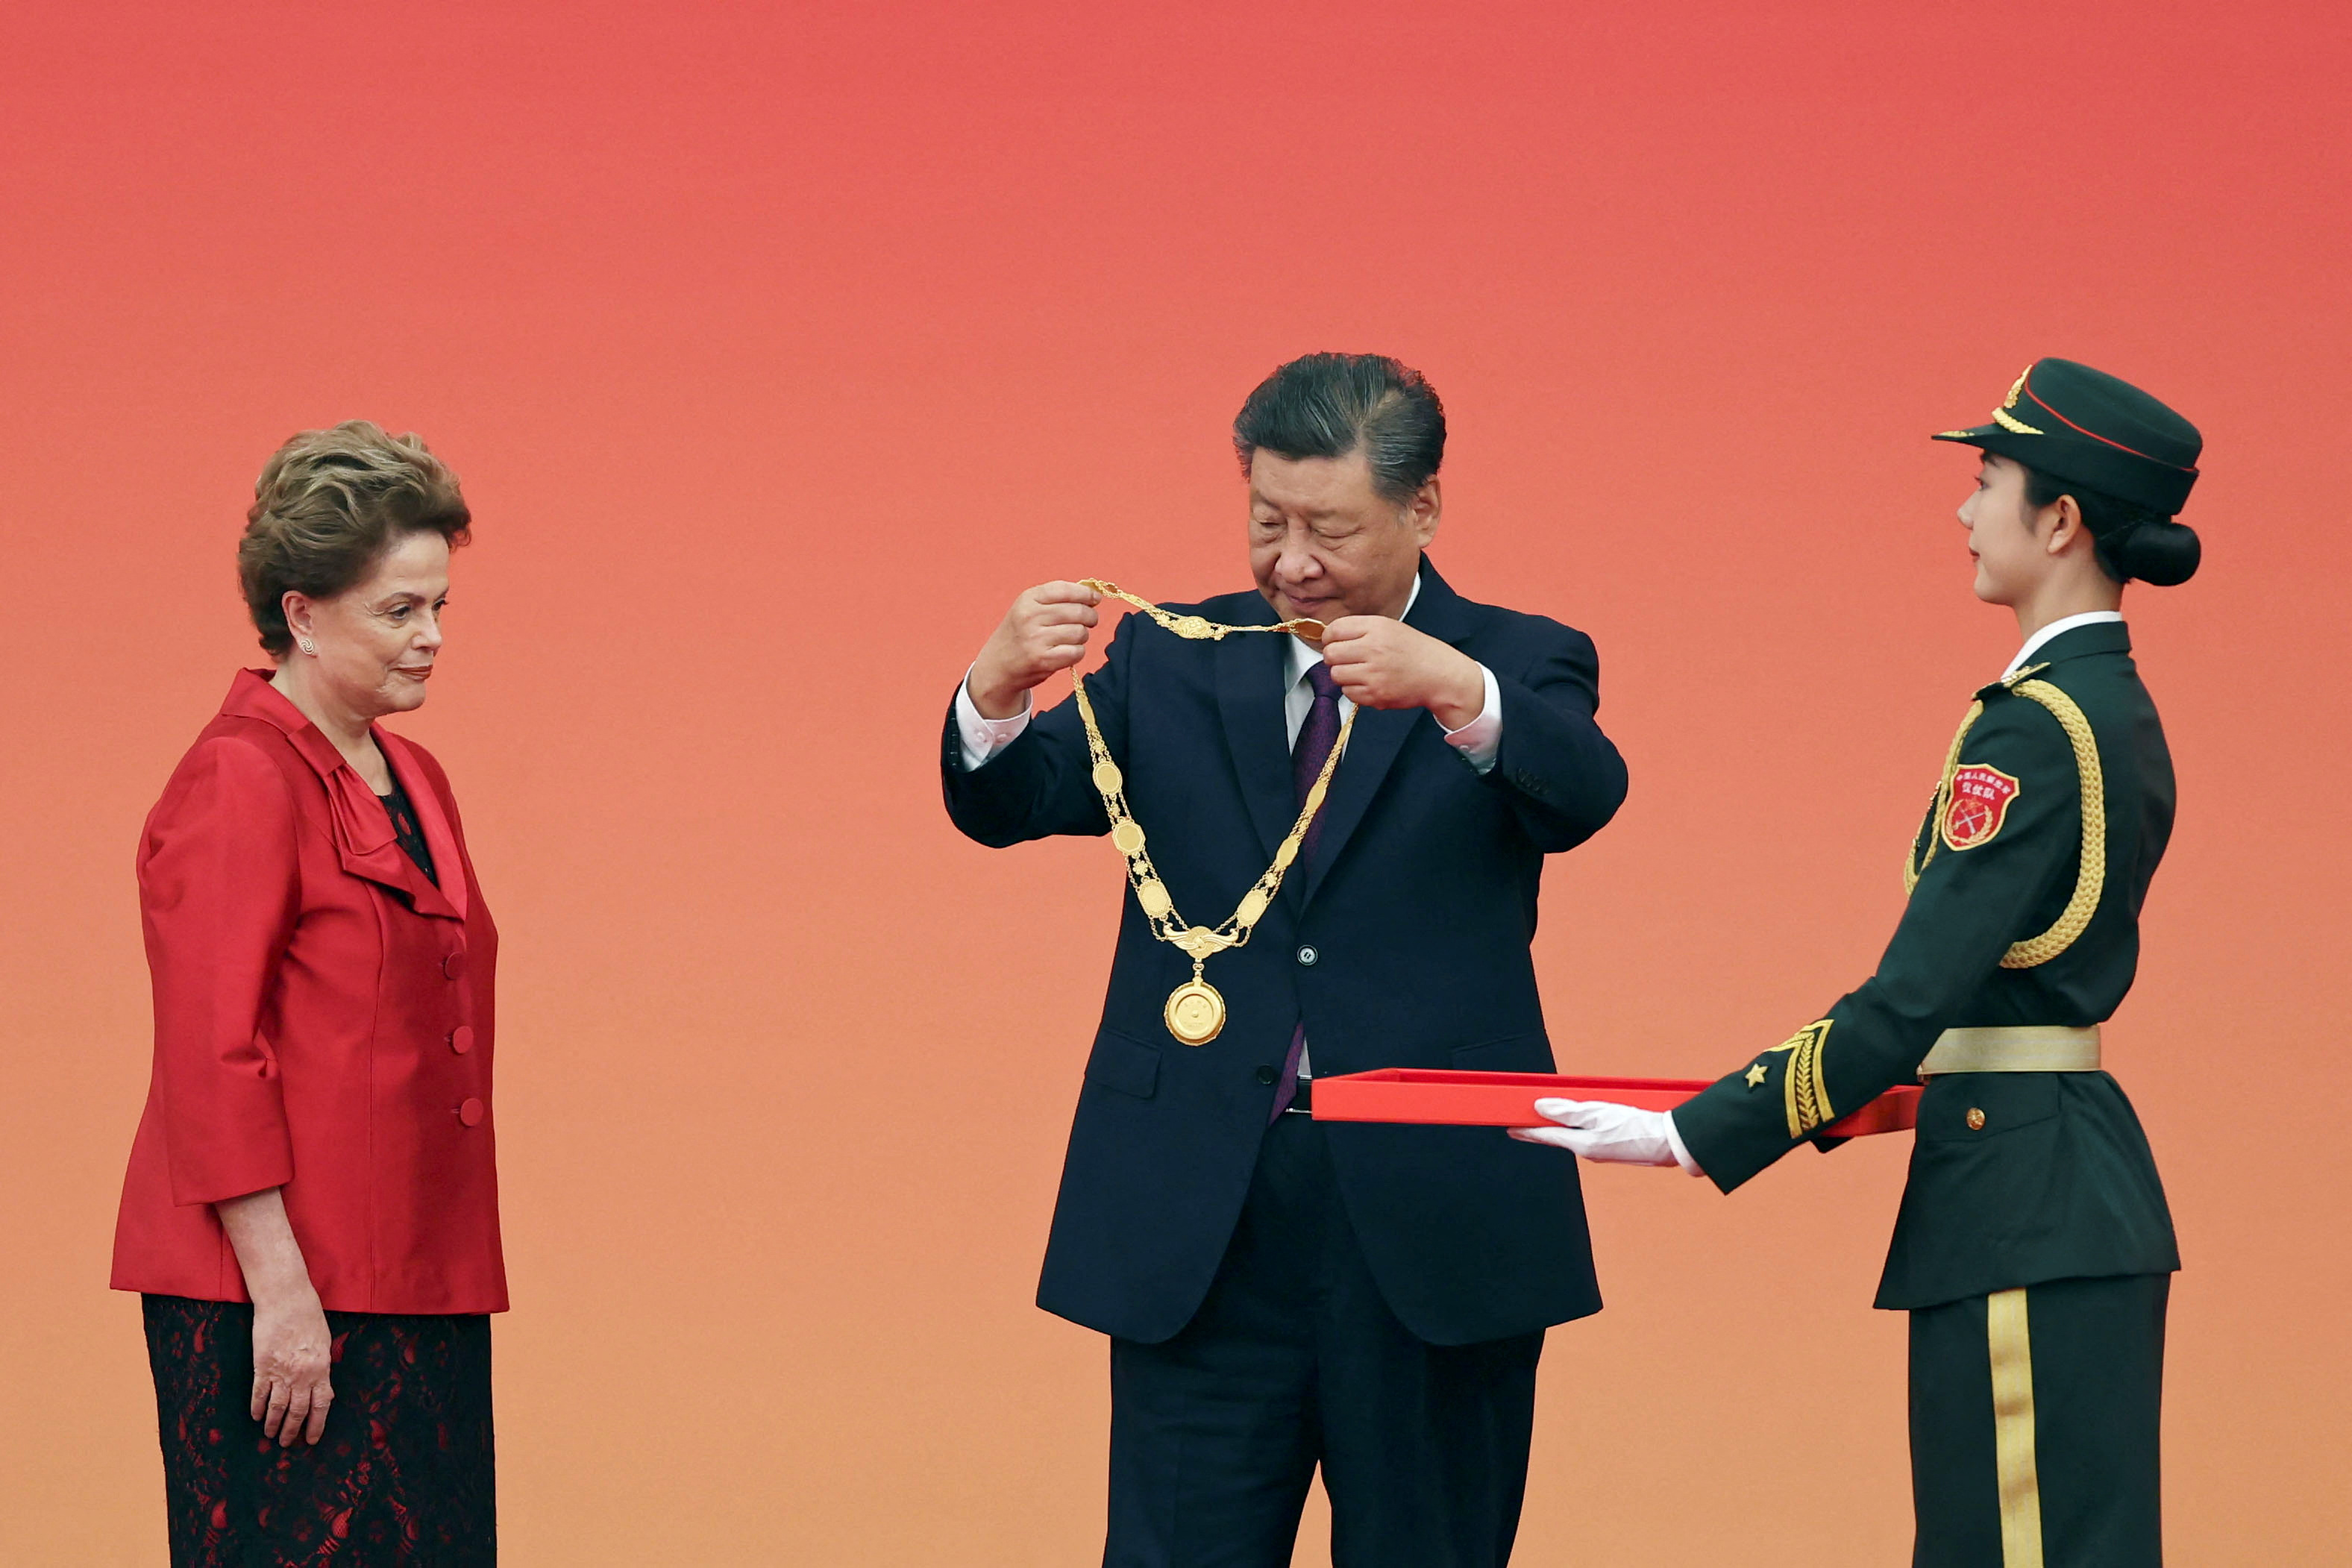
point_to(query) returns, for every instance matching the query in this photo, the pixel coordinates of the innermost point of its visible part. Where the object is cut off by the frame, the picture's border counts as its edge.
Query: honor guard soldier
(2034, 1248)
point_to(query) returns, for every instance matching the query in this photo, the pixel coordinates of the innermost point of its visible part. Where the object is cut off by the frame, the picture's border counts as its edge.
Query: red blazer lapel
(362, 831)
(439, 838)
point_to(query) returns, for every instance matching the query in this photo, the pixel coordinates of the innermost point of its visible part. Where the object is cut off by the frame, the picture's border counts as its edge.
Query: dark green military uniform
(2034, 1247)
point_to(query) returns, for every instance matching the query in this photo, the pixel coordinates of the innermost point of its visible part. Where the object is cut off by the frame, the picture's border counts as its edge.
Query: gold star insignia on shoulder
(1756, 1075)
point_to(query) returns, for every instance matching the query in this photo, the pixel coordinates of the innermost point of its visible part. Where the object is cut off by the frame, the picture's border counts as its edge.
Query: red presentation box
(1508, 1099)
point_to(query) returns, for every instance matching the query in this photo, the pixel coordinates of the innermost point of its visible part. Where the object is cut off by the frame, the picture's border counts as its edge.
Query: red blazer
(322, 1024)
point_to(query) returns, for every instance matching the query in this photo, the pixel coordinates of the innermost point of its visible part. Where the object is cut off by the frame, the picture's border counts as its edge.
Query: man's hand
(1604, 1131)
(1381, 663)
(1046, 630)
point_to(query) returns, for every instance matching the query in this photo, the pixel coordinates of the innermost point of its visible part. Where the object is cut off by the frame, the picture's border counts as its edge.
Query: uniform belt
(1302, 1101)
(2026, 1048)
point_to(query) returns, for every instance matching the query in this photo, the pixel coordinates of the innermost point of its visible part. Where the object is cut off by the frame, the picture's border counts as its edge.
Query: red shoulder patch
(1979, 805)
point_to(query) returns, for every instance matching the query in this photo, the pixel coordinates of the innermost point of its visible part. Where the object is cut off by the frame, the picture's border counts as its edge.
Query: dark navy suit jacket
(1406, 944)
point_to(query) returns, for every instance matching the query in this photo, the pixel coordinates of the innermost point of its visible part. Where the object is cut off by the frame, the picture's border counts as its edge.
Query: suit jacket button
(461, 1039)
(1976, 1120)
(1265, 1075)
(454, 966)
(1307, 955)
(472, 1112)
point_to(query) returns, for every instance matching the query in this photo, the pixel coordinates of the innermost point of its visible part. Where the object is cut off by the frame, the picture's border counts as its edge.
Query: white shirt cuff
(982, 738)
(1682, 1155)
(1480, 739)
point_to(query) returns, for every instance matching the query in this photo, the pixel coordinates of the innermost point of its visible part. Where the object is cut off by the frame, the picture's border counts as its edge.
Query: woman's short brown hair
(329, 502)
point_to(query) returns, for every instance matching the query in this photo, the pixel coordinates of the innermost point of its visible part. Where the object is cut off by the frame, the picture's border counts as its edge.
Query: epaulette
(2008, 683)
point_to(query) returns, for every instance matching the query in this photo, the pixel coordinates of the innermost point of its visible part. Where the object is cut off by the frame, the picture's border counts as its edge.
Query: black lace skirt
(402, 1476)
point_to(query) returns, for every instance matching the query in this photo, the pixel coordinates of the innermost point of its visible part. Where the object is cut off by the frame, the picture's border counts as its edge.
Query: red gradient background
(779, 346)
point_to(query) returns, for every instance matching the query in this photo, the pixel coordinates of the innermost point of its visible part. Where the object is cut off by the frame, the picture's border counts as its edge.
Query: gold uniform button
(1976, 1120)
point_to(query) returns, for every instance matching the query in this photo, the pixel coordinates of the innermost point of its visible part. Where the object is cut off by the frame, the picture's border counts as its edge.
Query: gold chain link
(1127, 835)
(1199, 628)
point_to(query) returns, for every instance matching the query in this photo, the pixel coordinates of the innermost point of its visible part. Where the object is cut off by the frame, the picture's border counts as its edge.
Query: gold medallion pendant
(1196, 1013)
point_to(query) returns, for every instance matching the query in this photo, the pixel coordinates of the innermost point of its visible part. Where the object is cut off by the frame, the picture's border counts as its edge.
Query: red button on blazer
(303, 1019)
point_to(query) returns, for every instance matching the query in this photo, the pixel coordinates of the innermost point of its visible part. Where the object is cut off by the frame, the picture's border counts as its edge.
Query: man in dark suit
(1282, 1293)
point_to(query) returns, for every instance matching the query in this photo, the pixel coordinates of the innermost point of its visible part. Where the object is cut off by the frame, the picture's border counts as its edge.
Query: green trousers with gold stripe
(2034, 1420)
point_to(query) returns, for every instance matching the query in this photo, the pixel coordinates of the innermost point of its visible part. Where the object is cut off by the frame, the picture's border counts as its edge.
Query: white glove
(1606, 1131)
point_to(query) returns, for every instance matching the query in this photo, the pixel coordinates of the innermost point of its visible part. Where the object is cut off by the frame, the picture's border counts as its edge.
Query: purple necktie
(1313, 749)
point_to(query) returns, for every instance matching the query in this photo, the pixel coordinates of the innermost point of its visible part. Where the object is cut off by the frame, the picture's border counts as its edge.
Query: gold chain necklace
(1196, 1013)
(1199, 628)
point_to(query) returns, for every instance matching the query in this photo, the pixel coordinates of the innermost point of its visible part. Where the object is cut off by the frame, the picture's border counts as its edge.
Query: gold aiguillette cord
(1196, 1013)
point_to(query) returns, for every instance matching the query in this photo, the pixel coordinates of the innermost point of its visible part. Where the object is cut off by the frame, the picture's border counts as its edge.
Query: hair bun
(2160, 552)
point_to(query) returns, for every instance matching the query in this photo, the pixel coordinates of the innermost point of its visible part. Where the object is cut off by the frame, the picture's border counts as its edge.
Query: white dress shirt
(1479, 740)
(2033, 645)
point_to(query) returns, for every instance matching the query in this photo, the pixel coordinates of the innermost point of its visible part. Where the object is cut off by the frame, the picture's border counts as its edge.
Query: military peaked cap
(2074, 423)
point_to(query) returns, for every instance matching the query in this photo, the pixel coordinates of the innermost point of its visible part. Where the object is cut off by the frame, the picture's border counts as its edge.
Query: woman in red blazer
(312, 1206)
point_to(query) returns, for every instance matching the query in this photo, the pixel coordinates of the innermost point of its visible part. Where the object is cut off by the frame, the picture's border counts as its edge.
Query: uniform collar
(2058, 628)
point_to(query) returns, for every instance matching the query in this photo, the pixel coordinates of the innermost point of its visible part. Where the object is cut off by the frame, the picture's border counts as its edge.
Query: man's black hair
(1327, 406)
